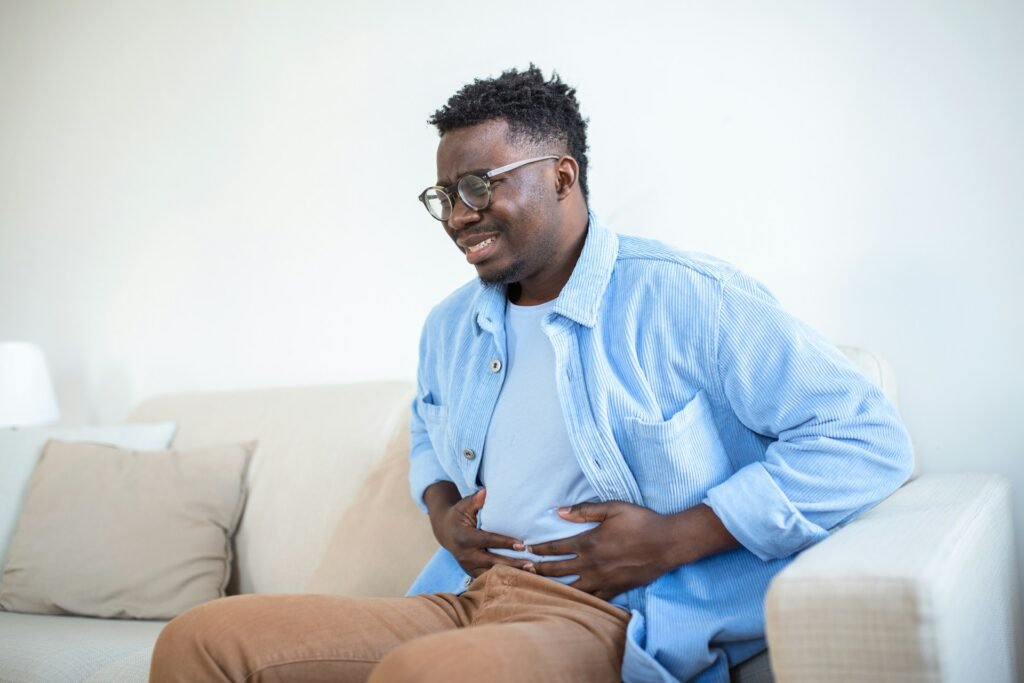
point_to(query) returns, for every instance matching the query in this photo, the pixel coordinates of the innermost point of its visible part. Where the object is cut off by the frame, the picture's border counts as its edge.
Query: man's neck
(545, 286)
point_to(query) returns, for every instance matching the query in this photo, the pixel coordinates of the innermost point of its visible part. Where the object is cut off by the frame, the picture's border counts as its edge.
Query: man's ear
(567, 172)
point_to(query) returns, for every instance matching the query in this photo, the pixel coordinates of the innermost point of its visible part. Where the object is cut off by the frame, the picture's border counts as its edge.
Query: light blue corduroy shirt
(681, 381)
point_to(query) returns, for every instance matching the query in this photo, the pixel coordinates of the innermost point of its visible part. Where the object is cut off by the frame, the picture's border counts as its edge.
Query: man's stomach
(546, 526)
(532, 525)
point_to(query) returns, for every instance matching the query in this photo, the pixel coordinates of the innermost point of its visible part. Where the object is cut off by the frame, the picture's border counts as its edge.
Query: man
(618, 444)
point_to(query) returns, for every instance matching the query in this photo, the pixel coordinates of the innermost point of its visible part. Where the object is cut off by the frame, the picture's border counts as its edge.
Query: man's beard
(513, 273)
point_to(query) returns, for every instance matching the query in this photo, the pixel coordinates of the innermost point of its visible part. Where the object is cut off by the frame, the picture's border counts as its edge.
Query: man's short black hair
(536, 110)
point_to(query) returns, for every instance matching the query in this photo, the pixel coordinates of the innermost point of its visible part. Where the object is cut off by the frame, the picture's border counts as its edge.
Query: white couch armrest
(923, 587)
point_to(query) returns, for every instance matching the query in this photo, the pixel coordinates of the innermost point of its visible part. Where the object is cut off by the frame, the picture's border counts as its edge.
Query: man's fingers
(585, 512)
(518, 563)
(560, 567)
(487, 539)
(563, 546)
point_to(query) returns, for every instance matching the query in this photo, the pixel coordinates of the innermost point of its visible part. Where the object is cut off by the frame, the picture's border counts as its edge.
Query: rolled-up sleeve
(838, 445)
(424, 467)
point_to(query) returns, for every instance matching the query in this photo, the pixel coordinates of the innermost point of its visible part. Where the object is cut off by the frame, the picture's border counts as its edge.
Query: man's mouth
(478, 247)
(475, 253)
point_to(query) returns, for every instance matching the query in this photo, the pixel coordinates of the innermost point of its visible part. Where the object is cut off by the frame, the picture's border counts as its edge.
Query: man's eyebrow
(476, 171)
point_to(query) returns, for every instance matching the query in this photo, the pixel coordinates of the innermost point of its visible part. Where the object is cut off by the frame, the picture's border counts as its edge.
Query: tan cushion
(109, 532)
(382, 540)
(317, 446)
(20, 449)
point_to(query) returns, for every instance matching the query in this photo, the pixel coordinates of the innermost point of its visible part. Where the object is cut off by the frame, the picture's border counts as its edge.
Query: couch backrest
(317, 446)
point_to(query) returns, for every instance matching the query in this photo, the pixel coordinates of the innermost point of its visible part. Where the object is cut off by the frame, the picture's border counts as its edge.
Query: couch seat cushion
(38, 648)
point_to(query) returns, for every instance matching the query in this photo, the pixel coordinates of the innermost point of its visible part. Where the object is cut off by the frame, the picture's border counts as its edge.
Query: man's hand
(632, 546)
(454, 523)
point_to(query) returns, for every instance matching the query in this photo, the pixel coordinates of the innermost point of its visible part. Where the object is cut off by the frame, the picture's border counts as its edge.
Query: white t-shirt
(528, 465)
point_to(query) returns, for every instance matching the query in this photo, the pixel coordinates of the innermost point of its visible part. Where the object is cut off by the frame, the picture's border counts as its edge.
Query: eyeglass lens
(474, 191)
(437, 203)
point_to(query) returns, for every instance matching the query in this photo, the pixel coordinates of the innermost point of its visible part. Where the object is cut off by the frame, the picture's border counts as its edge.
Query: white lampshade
(26, 391)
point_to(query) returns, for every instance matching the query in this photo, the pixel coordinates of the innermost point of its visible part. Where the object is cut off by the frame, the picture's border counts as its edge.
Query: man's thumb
(584, 512)
(476, 500)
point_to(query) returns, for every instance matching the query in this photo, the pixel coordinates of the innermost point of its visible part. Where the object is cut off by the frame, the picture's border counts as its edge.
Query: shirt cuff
(760, 516)
(424, 471)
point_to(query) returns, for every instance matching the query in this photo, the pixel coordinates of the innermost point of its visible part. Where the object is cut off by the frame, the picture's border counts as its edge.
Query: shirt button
(468, 453)
(495, 365)
(469, 580)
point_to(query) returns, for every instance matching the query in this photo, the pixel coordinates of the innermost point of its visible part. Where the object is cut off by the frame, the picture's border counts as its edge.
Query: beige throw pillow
(382, 540)
(108, 532)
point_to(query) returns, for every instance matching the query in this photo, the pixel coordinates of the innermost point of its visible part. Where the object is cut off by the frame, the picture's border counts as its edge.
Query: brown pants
(509, 625)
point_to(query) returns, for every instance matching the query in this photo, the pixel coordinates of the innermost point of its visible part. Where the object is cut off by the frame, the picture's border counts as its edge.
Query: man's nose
(462, 215)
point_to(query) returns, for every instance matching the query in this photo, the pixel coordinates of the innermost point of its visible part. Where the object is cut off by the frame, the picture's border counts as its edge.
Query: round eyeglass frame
(460, 188)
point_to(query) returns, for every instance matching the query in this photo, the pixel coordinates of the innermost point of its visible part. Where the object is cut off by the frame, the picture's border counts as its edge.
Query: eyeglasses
(474, 190)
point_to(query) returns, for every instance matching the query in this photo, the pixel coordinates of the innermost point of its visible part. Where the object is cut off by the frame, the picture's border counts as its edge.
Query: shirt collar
(580, 298)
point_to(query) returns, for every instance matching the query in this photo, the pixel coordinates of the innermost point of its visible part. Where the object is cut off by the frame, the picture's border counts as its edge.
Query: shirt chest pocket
(435, 420)
(676, 461)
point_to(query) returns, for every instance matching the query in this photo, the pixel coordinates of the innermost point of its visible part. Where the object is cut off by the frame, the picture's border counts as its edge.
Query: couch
(923, 587)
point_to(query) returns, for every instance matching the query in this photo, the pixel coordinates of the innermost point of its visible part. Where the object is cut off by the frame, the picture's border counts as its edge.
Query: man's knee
(421, 660)
(182, 633)
(185, 643)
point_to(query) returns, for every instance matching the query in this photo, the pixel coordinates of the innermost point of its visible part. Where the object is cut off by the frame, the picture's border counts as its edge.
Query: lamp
(26, 390)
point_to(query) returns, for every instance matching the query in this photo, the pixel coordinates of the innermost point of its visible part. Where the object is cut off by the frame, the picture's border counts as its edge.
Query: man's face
(517, 235)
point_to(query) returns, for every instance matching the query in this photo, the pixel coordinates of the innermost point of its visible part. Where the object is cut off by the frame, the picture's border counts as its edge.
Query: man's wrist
(696, 533)
(439, 497)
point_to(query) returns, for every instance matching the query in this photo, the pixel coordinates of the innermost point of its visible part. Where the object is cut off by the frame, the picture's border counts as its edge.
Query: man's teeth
(478, 247)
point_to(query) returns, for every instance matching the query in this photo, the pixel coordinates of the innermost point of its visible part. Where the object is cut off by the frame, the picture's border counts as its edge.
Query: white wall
(202, 195)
